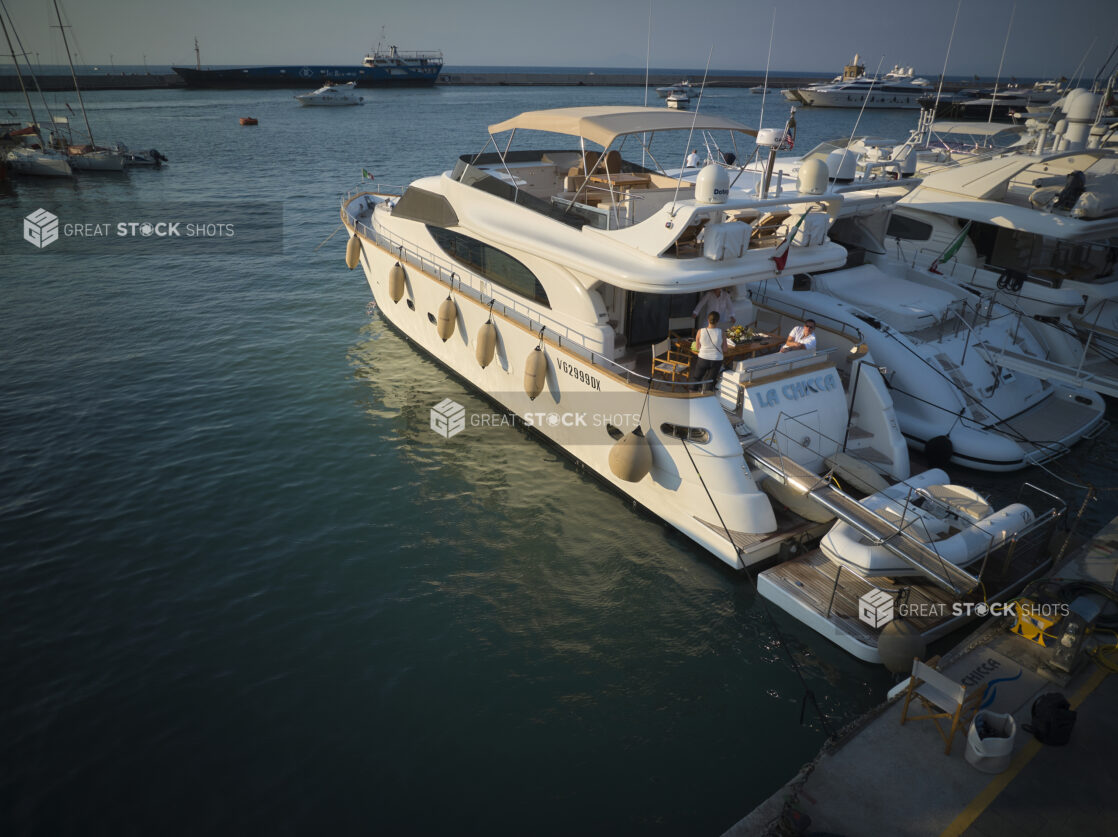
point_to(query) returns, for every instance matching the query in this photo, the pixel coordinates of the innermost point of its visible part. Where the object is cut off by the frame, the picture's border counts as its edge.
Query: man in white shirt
(717, 301)
(693, 159)
(801, 337)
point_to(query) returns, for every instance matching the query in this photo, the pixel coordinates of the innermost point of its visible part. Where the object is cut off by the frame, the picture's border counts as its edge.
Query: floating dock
(880, 777)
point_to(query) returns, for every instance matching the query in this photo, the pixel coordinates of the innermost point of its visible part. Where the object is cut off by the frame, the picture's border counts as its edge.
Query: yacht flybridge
(562, 281)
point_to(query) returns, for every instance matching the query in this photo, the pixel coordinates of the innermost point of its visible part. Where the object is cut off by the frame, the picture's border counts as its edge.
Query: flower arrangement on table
(740, 334)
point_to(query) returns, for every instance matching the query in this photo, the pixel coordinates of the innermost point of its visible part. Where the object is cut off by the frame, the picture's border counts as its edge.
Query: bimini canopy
(602, 125)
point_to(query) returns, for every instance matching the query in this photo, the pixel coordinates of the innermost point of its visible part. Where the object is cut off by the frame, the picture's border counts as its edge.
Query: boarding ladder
(872, 526)
(1097, 374)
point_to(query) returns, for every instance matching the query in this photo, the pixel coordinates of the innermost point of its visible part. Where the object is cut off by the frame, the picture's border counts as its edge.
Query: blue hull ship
(391, 68)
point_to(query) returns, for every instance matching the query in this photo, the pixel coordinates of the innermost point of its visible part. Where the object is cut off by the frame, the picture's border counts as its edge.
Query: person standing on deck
(712, 345)
(717, 300)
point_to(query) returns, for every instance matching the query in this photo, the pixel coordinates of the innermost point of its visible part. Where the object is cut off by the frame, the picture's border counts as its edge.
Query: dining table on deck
(761, 344)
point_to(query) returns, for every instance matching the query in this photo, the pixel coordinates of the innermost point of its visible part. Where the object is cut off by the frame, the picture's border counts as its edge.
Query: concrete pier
(880, 777)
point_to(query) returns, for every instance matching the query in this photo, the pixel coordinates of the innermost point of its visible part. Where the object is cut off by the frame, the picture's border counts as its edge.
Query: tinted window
(908, 228)
(498, 267)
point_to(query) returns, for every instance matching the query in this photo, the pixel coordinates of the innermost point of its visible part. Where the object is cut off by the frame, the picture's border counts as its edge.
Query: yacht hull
(97, 161)
(38, 164)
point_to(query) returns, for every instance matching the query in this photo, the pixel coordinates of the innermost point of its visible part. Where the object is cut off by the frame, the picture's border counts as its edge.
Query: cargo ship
(381, 68)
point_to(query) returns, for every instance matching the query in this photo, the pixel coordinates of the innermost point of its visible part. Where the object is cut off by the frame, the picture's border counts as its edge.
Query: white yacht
(955, 400)
(678, 101)
(561, 282)
(1036, 231)
(898, 88)
(332, 95)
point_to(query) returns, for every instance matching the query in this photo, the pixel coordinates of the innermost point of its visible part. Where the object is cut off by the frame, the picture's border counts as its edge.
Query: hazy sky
(811, 35)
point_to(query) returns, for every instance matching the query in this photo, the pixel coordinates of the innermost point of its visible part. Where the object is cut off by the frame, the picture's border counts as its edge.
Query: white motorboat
(898, 88)
(552, 281)
(678, 101)
(761, 89)
(949, 557)
(332, 95)
(955, 401)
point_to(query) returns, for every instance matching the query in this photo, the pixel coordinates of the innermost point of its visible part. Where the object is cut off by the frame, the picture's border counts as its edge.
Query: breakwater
(150, 81)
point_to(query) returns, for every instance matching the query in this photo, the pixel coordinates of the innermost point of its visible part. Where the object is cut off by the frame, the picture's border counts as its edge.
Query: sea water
(243, 585)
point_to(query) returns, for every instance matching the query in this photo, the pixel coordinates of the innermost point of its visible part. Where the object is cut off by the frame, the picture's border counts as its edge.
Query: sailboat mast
(73, 75)
(22, 86)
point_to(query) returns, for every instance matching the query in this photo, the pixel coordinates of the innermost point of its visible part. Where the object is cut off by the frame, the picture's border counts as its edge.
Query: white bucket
(993, 753)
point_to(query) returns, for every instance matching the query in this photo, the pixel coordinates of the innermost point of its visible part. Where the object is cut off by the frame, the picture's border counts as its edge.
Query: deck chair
(612, 163)
(943, 698)
(688, 241)
(767, 229)
(669, 363)
(680, 328)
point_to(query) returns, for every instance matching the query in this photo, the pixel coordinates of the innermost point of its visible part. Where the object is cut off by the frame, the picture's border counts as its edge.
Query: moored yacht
(898, 88)
(562, 281)
(955, 400)
(1036, 231)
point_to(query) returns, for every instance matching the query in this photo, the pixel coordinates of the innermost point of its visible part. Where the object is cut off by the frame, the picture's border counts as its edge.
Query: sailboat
(39, 161)
(86, 157)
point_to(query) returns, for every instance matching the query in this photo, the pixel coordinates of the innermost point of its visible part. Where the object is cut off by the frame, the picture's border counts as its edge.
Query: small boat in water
(678, 101)
(150, 158)
(249, 120)
(331, 95)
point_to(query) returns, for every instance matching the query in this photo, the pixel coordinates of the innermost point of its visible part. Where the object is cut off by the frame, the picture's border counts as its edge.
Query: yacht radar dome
(812, 178)
(712, 184)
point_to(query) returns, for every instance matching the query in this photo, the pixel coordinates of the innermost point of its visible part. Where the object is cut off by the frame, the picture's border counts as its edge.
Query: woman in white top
(711, 346)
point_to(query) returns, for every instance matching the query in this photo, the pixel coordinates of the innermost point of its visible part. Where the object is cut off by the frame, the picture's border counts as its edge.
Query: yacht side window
(908, 228)
(495, 265)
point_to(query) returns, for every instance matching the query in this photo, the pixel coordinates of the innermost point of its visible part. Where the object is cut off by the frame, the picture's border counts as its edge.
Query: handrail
(758, 295)
(801, 358)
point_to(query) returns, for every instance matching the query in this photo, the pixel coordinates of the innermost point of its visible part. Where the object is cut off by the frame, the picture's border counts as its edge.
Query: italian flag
(952, 248)
(780, 258)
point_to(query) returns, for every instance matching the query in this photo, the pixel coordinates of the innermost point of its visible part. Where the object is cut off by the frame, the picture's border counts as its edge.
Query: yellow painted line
(989, 793)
